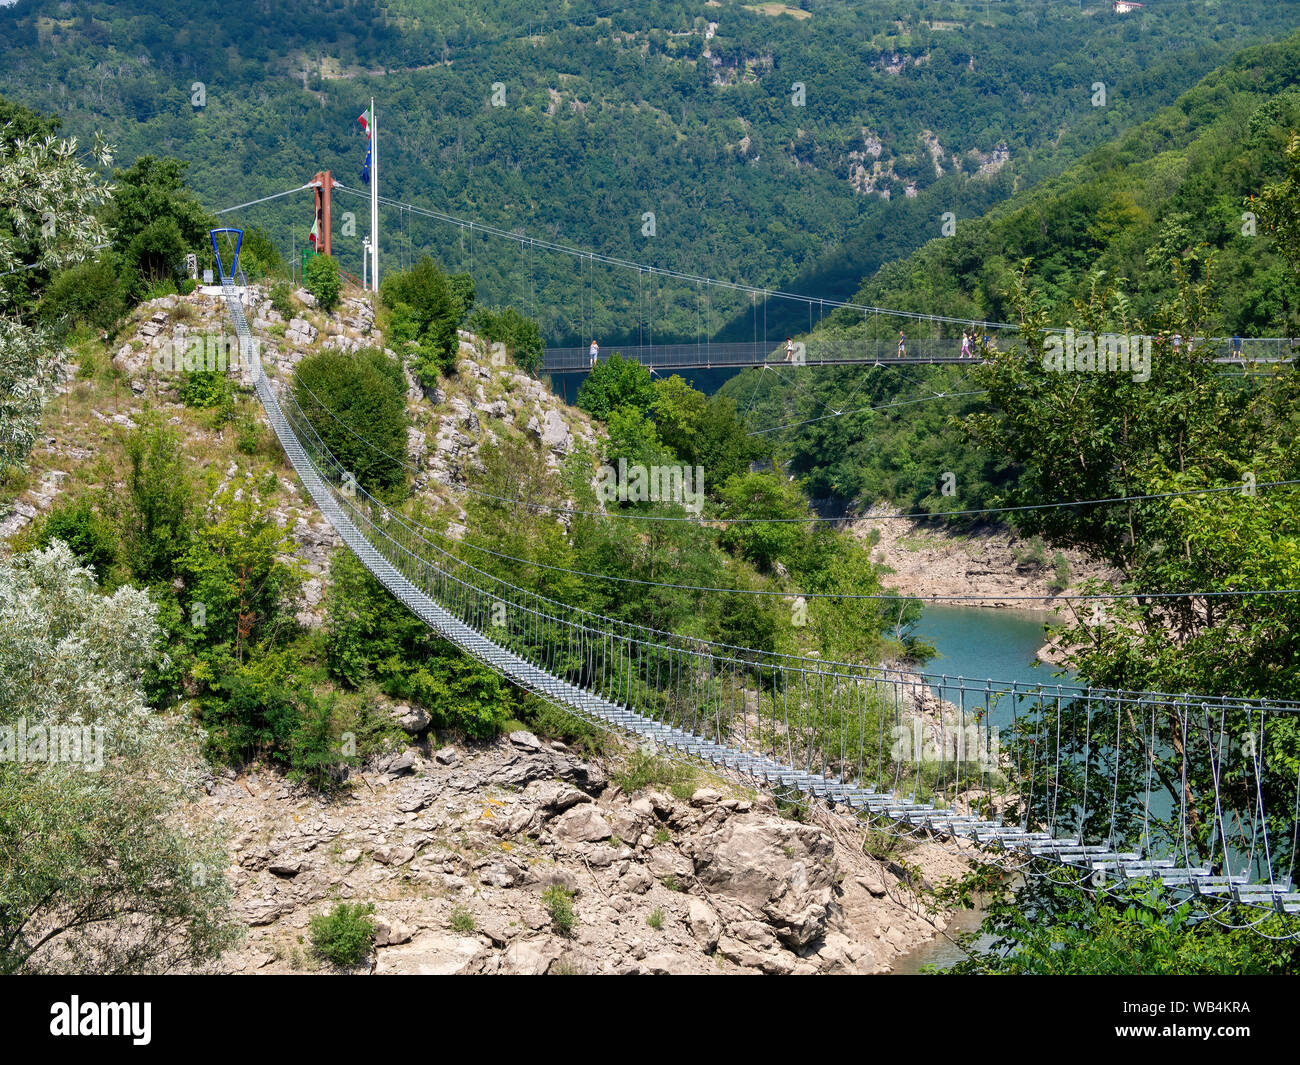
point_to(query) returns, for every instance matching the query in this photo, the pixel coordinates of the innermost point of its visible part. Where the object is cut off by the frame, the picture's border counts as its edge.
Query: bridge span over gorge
(1198, 795)
(1192, 793)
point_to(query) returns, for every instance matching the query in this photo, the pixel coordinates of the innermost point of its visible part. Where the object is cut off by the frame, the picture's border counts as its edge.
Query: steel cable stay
(593, 256)
(797, 594)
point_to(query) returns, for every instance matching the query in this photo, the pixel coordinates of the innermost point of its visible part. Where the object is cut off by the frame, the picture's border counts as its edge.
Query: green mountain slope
(686, 110)
(1172, 194)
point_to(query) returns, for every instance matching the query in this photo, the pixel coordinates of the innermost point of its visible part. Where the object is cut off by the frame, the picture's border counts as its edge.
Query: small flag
(314, 235)
(364, 119)
(365, 169)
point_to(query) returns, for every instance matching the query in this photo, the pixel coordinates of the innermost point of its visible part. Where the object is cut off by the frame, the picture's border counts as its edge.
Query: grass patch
(644, 770)
(559, 904)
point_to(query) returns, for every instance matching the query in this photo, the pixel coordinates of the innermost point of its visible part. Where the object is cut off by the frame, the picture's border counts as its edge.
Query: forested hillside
(797, 146)
(1171, 207)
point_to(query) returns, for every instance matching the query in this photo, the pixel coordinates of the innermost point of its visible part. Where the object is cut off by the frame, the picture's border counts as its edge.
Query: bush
(426, 308)
(616, 382)
(462, 920)
(559, 904)
(77, 523)
(357, 403)
(1033, 555)
(86, 293)
(520, 335)
(282, 299)
(345, 935)
(155, 517)
(259, 255)
(1061, 573)
(209, 390)
(321, 279)
(315, 753)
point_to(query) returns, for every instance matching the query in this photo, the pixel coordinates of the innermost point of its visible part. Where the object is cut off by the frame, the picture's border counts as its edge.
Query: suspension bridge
(847, 351)
(644, 311)
(1198, 794)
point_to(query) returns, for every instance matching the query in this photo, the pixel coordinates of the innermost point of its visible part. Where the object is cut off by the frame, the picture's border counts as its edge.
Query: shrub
(646, 770)
(315, 753)
(251, 436)
(259, 255)
(154, 518)
(83, 529)
(559, 904)
(616, 382)
(209, 390)
(520, 335)
(282, 299)
(88, 292)
(1033, 555)
(426, 308)
(462, 920)
(656, 918)
(345, 935)
(1061, 573)
(321, 279)
(357, 403)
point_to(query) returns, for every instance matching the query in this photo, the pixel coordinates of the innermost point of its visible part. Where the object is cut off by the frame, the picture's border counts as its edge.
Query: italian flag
(314, 235)
(365, 119)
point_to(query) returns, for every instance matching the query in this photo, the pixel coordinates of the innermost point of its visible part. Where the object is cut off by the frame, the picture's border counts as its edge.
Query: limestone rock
(704, 924)
(783, 870)
(581, 824)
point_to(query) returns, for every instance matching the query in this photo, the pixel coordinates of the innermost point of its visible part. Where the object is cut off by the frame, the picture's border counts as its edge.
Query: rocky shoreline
(991, 564)
(987, 563)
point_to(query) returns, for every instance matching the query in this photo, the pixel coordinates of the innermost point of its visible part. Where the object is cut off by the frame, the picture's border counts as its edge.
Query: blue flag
(365, 170)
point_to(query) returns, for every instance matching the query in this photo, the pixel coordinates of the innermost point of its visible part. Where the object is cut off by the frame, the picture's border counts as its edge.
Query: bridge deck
(666, 358)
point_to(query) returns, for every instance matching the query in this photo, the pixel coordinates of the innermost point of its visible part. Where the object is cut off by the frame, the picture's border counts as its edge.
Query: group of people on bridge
(969, 339)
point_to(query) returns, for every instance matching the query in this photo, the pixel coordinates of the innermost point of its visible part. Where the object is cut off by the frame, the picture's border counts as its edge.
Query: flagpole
(374, 199)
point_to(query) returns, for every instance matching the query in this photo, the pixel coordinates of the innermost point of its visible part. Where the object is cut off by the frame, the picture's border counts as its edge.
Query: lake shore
(989, 566)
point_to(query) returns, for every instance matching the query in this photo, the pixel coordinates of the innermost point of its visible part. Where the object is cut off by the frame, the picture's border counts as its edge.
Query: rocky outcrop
(457, 851)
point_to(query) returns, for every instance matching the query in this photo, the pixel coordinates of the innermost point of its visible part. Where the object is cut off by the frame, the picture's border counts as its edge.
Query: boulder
(526, 741)
(390, 932)
(784, 871)
(434, 954)
(581, 824)
(532, 957)
(413, 720)
(704, 924)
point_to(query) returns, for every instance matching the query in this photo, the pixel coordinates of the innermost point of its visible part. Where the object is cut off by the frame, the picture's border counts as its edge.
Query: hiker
(966, 352)
(789, 350)
(902, 345)
(595, 353)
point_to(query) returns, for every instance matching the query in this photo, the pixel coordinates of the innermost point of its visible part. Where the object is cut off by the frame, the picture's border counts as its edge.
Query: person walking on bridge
(902, 345)
(789, 350)
(966, 352)
(595, 353)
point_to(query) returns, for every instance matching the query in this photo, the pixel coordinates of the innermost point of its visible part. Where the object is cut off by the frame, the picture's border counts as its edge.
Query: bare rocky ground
(984, 562)
(456, 849)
